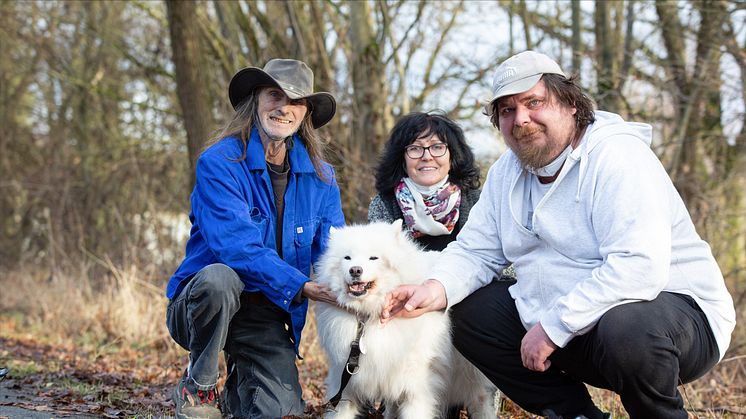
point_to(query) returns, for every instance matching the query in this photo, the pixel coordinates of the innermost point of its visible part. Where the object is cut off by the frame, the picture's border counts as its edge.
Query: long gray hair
(244, 119)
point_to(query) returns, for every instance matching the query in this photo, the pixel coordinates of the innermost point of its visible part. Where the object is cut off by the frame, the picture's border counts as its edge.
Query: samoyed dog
(409, 363)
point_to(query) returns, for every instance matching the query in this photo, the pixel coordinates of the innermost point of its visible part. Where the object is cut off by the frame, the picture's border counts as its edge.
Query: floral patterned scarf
(428, 211)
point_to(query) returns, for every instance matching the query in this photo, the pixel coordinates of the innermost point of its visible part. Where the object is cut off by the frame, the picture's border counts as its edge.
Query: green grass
(19, 369)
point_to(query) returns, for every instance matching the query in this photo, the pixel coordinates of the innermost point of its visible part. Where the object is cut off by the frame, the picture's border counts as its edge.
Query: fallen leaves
(67, 381)
(64, 380)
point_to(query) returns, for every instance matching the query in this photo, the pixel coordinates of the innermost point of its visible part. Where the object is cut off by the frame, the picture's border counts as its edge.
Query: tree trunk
(626, 61)
(368, 81)
(577, 43)
(192, 85)
(523, 9)
(606, 96)
(369, 103)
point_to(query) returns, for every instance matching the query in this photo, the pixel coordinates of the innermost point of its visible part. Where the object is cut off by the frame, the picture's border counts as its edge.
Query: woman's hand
(414, 300)
(318, 292)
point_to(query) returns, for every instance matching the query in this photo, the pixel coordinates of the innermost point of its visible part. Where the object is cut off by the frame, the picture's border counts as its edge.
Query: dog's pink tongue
(357, 286)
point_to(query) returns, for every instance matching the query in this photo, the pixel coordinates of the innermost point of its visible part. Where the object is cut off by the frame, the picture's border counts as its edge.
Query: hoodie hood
(609, 124)
(606, 126)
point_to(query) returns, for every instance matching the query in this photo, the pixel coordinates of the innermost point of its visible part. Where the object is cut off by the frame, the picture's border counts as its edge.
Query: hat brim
(518, 86)
(323, 105)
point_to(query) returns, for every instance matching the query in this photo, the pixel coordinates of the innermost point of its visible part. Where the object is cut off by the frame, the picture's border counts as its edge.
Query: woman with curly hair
(426, 176)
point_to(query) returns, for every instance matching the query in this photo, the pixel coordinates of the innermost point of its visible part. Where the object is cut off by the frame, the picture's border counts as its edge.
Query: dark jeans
(641, 351)
(212, 314)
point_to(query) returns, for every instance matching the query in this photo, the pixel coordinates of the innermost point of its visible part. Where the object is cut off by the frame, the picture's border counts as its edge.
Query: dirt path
(57, 381)
(46, 381)
(15, 403)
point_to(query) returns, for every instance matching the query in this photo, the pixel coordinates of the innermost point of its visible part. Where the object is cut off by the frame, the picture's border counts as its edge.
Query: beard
(273, 135)
(532, 153)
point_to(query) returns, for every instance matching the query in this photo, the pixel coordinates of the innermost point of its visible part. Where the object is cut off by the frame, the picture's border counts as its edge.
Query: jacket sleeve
(467, 203)
(233, 232)
(632, 204)
(378, 211)
(476, 256)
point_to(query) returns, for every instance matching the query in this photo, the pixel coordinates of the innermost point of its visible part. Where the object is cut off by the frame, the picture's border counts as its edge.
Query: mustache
(526, 131)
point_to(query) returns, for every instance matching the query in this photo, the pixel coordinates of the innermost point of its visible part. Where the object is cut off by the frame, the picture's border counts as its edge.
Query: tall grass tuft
(115, 306)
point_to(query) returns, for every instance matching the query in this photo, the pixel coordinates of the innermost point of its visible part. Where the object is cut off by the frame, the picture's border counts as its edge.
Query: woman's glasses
(417, 151)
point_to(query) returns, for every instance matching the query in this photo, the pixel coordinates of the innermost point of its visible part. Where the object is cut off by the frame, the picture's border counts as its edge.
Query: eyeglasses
(417, 151)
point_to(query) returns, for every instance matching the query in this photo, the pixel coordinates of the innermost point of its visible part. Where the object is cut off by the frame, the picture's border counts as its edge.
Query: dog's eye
(373, 258)
(348, 258)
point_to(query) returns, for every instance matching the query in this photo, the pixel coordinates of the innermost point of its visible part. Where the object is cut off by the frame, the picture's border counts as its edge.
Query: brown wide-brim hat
(293, 77)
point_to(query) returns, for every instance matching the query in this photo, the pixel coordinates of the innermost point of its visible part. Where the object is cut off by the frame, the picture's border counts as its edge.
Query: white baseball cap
(520, 73)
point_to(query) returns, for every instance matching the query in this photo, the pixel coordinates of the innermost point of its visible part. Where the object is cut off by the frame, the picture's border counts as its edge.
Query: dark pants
(641, 351)
(212, 314)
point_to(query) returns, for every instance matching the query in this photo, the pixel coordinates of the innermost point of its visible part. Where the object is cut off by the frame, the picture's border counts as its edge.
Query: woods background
(104, 107)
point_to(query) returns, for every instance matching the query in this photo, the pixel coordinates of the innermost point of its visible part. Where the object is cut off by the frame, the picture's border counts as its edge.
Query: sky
(484, 39)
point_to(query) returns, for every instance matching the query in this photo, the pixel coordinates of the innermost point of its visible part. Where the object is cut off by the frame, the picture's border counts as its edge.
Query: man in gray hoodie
(614, 287)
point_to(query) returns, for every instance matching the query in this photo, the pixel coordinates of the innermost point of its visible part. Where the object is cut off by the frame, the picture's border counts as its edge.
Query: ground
(45, 380)
(60, 380)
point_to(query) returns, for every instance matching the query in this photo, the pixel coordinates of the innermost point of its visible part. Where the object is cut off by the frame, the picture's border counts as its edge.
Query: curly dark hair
(391, 165)
(568, 93)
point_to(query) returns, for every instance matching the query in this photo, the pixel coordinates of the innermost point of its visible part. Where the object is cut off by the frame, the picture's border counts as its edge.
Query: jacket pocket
(304, 233)
(261, 222)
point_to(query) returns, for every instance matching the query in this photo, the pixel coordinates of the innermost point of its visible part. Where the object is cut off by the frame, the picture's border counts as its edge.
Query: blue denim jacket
(233, 222)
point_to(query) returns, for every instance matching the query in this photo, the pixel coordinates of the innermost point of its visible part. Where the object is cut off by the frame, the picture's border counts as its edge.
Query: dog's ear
(396, 227)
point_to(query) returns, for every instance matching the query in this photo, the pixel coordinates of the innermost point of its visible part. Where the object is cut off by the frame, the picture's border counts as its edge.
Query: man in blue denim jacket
(262, 206)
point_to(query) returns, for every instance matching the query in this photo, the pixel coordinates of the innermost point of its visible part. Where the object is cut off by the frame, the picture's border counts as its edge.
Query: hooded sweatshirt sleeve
(476, 256)
(632, 202)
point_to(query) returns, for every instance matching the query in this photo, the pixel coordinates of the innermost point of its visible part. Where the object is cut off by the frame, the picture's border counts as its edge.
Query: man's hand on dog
(414, 300)
(536, 348)
(318, 292)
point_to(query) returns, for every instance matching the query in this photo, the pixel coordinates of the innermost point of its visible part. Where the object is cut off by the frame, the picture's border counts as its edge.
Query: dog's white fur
(409, 363)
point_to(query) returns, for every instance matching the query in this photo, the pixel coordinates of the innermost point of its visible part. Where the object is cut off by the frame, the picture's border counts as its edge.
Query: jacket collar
(300, 162)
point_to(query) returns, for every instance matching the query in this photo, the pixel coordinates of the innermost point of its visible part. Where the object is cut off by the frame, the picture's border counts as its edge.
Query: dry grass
(121, 308)
(125, 308)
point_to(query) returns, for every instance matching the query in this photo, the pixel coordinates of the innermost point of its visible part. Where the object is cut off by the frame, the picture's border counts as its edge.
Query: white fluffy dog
(410, 363)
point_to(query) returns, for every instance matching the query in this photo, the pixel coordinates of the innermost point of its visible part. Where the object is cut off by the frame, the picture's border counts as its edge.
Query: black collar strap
(353, 363)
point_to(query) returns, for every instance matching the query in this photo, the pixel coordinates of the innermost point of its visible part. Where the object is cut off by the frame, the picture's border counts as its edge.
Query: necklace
(274, 149)
(284, 168)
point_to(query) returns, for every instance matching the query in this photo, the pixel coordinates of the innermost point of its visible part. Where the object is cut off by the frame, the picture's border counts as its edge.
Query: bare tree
(607, 95)
(118, 115)
(191, 80)
(709, 172)
(577, 32)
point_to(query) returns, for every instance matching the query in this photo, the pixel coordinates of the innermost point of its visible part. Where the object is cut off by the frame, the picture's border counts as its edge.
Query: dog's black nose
(356, 270)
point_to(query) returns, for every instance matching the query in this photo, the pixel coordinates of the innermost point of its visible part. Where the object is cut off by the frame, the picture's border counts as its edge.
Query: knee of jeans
(627, 342)
(219, 280)
(618, 324)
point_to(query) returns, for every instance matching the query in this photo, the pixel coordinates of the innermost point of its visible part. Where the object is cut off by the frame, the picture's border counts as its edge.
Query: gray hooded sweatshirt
(611, 230)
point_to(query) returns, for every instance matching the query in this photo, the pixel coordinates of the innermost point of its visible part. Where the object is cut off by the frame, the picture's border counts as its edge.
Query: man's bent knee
(629, 341)
(217, 279)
